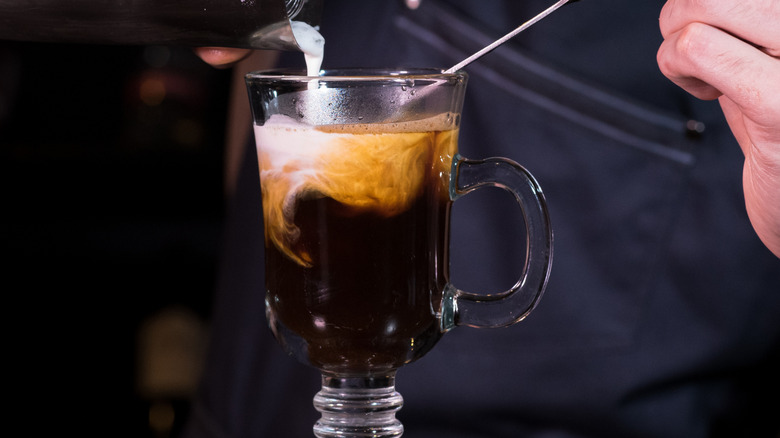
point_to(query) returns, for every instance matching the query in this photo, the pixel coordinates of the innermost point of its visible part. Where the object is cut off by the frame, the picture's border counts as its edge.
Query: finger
(221, 57)
(754, 21)
(708, 62)
(683, 62)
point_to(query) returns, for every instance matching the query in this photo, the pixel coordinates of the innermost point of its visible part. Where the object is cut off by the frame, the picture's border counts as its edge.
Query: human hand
(221, 57)
(730, 50)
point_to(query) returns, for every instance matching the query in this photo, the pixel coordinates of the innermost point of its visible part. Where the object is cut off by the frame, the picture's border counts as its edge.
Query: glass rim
(354, 74)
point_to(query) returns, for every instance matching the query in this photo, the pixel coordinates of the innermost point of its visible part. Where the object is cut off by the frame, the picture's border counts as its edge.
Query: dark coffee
(356, 250)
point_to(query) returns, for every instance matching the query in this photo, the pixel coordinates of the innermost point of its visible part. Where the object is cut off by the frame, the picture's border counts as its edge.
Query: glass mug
(358, 171)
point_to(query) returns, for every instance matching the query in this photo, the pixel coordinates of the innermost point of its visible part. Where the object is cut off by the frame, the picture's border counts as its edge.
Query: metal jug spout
(255, 24)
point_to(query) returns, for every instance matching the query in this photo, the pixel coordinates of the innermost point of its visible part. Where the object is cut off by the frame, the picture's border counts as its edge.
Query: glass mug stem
(358, 407)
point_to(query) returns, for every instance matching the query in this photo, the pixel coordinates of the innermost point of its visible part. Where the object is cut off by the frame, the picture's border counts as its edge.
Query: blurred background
(113, 188)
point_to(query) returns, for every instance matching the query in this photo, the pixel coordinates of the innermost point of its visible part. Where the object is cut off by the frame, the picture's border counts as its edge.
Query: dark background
(112, 190)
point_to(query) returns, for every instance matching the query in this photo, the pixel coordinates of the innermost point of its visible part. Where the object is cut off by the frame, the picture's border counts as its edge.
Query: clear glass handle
(508, 307)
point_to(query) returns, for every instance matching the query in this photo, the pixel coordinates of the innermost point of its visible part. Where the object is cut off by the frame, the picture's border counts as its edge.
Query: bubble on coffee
(378, 168)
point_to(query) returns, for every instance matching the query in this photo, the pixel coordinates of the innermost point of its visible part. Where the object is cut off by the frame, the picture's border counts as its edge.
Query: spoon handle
(508, 36)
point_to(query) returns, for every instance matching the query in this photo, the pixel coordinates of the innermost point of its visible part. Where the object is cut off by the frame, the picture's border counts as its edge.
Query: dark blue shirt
(662, 315)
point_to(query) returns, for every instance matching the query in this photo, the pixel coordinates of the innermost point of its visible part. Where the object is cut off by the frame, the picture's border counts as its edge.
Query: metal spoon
(508, 36)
